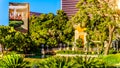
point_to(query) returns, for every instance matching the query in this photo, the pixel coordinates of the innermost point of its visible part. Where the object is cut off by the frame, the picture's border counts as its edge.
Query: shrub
(72, 62)
(112, 51)
(57, 62)
(16, 23)
(89, 62)
(70, 52)
(12, 61)
(79, 43)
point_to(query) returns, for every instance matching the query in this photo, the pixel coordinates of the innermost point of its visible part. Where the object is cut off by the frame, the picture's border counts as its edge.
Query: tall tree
(5, 36)
(100, 19)
(51, 29)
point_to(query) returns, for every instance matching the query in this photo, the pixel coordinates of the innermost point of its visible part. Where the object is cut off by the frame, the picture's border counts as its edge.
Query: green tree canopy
(99, 17)
(51, 29)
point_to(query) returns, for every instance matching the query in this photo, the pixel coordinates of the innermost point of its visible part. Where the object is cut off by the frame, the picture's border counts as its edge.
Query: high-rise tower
(69, 7)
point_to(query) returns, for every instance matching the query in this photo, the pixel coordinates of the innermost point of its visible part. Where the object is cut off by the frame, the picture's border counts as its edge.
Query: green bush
(70, 52)
(74, 52)
(79, 43)
(72, 62)
(16, 23)
(89, 62)
(112, 51)
(57, 62)
(13, 61)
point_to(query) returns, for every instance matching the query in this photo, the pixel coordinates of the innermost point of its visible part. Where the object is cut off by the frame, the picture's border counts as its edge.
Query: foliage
(5, 35)
(90, 62)
(16, 23)
(88, 16)
(47, 29)
(32, 62)
(100, 19)
(112, 51)
(14, 40)
(71, 62)
(50, 29)
(13, 61)
(112, 59)
(57, 62)
(79, 43)
(70, 52)
(76, 52)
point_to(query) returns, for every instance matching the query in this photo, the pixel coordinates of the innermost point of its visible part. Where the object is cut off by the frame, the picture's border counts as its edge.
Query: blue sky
(42, 6)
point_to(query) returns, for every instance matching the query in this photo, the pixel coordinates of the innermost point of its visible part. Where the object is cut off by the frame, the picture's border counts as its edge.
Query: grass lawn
(32, 61)
(112, 59)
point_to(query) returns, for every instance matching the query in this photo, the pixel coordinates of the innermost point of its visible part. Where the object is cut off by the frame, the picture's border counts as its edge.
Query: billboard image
(19, 16)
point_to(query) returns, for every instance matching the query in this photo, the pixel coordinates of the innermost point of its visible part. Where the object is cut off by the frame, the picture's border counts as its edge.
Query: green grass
(112, 59)
(32, 61)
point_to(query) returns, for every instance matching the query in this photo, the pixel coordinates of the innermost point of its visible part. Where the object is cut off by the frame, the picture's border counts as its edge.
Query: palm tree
(13, 61)
(57, 62)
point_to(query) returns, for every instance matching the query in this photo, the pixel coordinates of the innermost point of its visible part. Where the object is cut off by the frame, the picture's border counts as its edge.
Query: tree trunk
(2, 49)
(111, 30)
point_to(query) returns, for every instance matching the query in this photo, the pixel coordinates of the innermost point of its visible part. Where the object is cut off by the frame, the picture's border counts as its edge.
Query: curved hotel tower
(69, 7)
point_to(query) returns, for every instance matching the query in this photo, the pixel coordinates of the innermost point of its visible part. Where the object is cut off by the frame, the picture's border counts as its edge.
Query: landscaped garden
(51, 42)
(13, 60)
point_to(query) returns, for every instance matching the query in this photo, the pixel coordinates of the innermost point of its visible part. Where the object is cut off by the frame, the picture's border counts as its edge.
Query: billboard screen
(19, 16)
